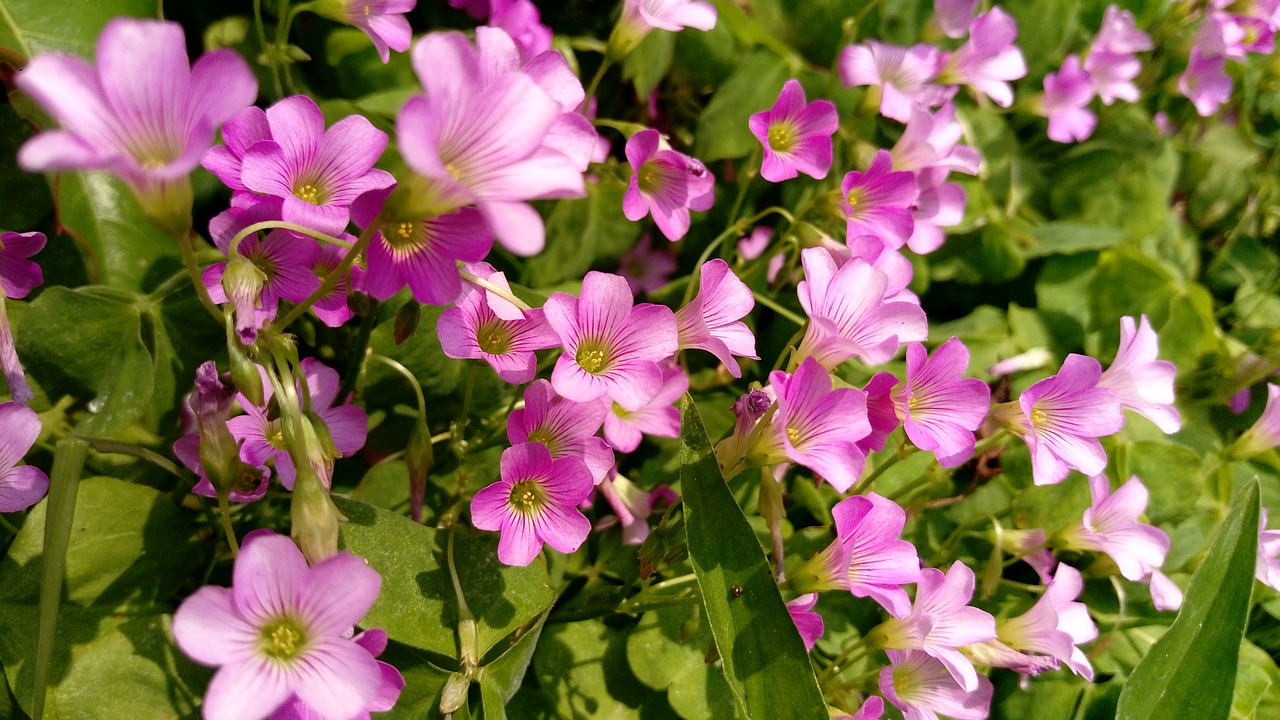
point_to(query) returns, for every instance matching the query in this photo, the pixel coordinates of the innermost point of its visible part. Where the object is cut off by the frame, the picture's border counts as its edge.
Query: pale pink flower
(904, 75)
(989, 59)
(565, 427)
(1264, 434)
(1055, 625)
(1205, 82)
(640, 17)
(922, 688)
(623, 428)
(952, 17)
(1111, 525)
(1066, 98)
(940, 409)
(1142, 383)
(712, 321)
(471, 329)
(818, 426)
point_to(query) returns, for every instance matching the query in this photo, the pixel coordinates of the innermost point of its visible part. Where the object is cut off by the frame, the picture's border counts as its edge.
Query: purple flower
(941, 621)
(348, 425)
(819, 427)
(952, 16)
(940, 204)
(521, 20)
(665, 183)
(18, 276)
(633, 506)
(881, 412)
(1111, 62)
(317, 173)
(938, 406)
(712, 321)
(1061, 418)
(1055, 625)
(904, 75)
(1110, 525)
(878, 201)
(646, 267)
(1066, 98)
(1142, 383)
(281, 265)
(21, 486)
(535, 502)
(382, 20)
(808, 623)
(470, 329)
(143, 113)
(565, 427)
(796, 136)
(375, 642)
(610, 348)
(422, 253)
(1205, 83)
(849, 314)
(332, 308)
(921, 687)
(867, 558)
(1267, 568)
(872, 709)
(283, 630)
(482, 134)
(989, 59)
(640, 17)
(1119, 33)
(623, 428)
(933, 141)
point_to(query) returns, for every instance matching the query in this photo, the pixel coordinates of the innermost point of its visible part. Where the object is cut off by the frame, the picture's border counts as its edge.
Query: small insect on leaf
(736, 591)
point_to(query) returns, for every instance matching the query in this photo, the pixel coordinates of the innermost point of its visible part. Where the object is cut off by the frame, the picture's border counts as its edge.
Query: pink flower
(633, 506)
(332, 308)
(921, 687)
(819, 427)
(382, 20)
(849, 313)
(144, 113)
(1110, 525)
(565, 427)
(623, 428)
(645, 267)
(640, 17)
(284, 630)
(808, 623)
(317, 173)
(521, 20)
(21, 486)
(1119, 33)
(939, 408)
(712, 321)
(1055, 625)
(878, 202)
(940, 622)
(1267, 568)
(281, 265)
(666, 184)
(1142, 383)
(1111, 62)
(904, 75)
(1205, 83)
(867, 558)
(796, 136)
(872, 709)
(881, 412)
(610, 349)
(1066, 98)
(1061, 417)
(18, 276)
(375, 642)
(535, 502)
(471, 329)
(989, 59)
(933, 141)
(952, 16)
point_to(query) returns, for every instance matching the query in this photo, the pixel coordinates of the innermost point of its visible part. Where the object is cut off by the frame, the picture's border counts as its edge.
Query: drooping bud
(419, 457)
(243, 282)
(244, 372)
(219, 453)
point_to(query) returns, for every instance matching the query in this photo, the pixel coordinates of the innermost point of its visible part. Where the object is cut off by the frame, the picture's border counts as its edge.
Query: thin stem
(106, 445)
(864, 483)
(187, 245)
(768, 302)
(848, 656)
(595, 84)
(262, 41)
(495, 289)
(234, 247)
(417, 387)
(331, 280)
(743, 185)
(224, 517)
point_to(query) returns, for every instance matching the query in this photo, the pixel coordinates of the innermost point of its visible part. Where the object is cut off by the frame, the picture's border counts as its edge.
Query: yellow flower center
(283, 639)
(592, 357)
(308, 193)
(780, 137)
(793, 435)
(494, 338)
(527, 497)
(1038, 417)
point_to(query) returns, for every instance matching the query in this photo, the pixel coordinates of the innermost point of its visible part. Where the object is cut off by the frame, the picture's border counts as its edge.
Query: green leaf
(649, 62)
(89, 344)
(1061, 238)
(722, 130)
(1257, 691)
(417, 605)
(582, 666)
(506, 673)
(35, 26)
(764, 658)
(581, 232)
(668, 651)
(1190, 671)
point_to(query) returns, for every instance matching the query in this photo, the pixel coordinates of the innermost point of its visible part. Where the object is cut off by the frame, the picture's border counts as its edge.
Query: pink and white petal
(338, 591)
(337, 675)
(210, 631)
(249, 690)
(516, 225)
(221, 85)
(21, 487)
(267, 575)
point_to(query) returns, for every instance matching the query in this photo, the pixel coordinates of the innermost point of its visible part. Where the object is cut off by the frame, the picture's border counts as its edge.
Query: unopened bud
(419, 456)
(226, 33)
(454, 695)
(243, 281)
(167, 203)
(315, 518)
(245, 374)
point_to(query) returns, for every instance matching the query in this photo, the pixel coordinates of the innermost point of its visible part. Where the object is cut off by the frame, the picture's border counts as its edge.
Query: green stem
(835, 666)
(498, 290)
(768, 302)
(595, 84)
(864, 483)
(417, 387)
(107, 445)
(266, 49)
(331, 280)
(468, 642)
(187, 246)
(224, 519)
(234, 247)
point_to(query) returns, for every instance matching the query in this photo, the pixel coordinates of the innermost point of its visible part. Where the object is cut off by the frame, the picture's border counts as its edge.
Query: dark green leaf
(581, 233)
(764, 659)
(33, 26)
(582, 666)
(1190, 671)
(668, 651)
(722, 130)
(1057, 238)
(649, 62)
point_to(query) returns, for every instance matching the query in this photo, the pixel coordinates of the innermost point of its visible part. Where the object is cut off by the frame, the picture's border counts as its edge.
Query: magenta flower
(480, 135)
(521, 20)
(940, 204)
(1205, 82)
(375, 642)
(1110, 525)
(348, 425)
(666, 184)
(796, 136)
(382, 20)
(471, 329)
(145, 114)
(881, 412)
(933, 141)
(281, 265)
(989, 59)
(904, 75)
(633, 506)
(1111, 62)
(535, 502)
(808, 622)
(819, 427)
(332, 308)
(872, 709)
(317, 173)
(646, 267)
(640, 17)
(281, 630)
(922, 688)
(712, 321)
(1061, 419)
(849, 314)
(939, 408)
(952, 17)
(941, 621)
(878, 201)
(21, 486)
(1264, 434)
(18, 277)
(623, 428)
(565, 427)
(1119, 33)
(1066, 98)
(867, 558)
(610, 348)
(1142, 383)
(1055, 625)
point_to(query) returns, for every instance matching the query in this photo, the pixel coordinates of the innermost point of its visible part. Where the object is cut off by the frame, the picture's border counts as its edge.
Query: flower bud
(419, 456)
(243, 282)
